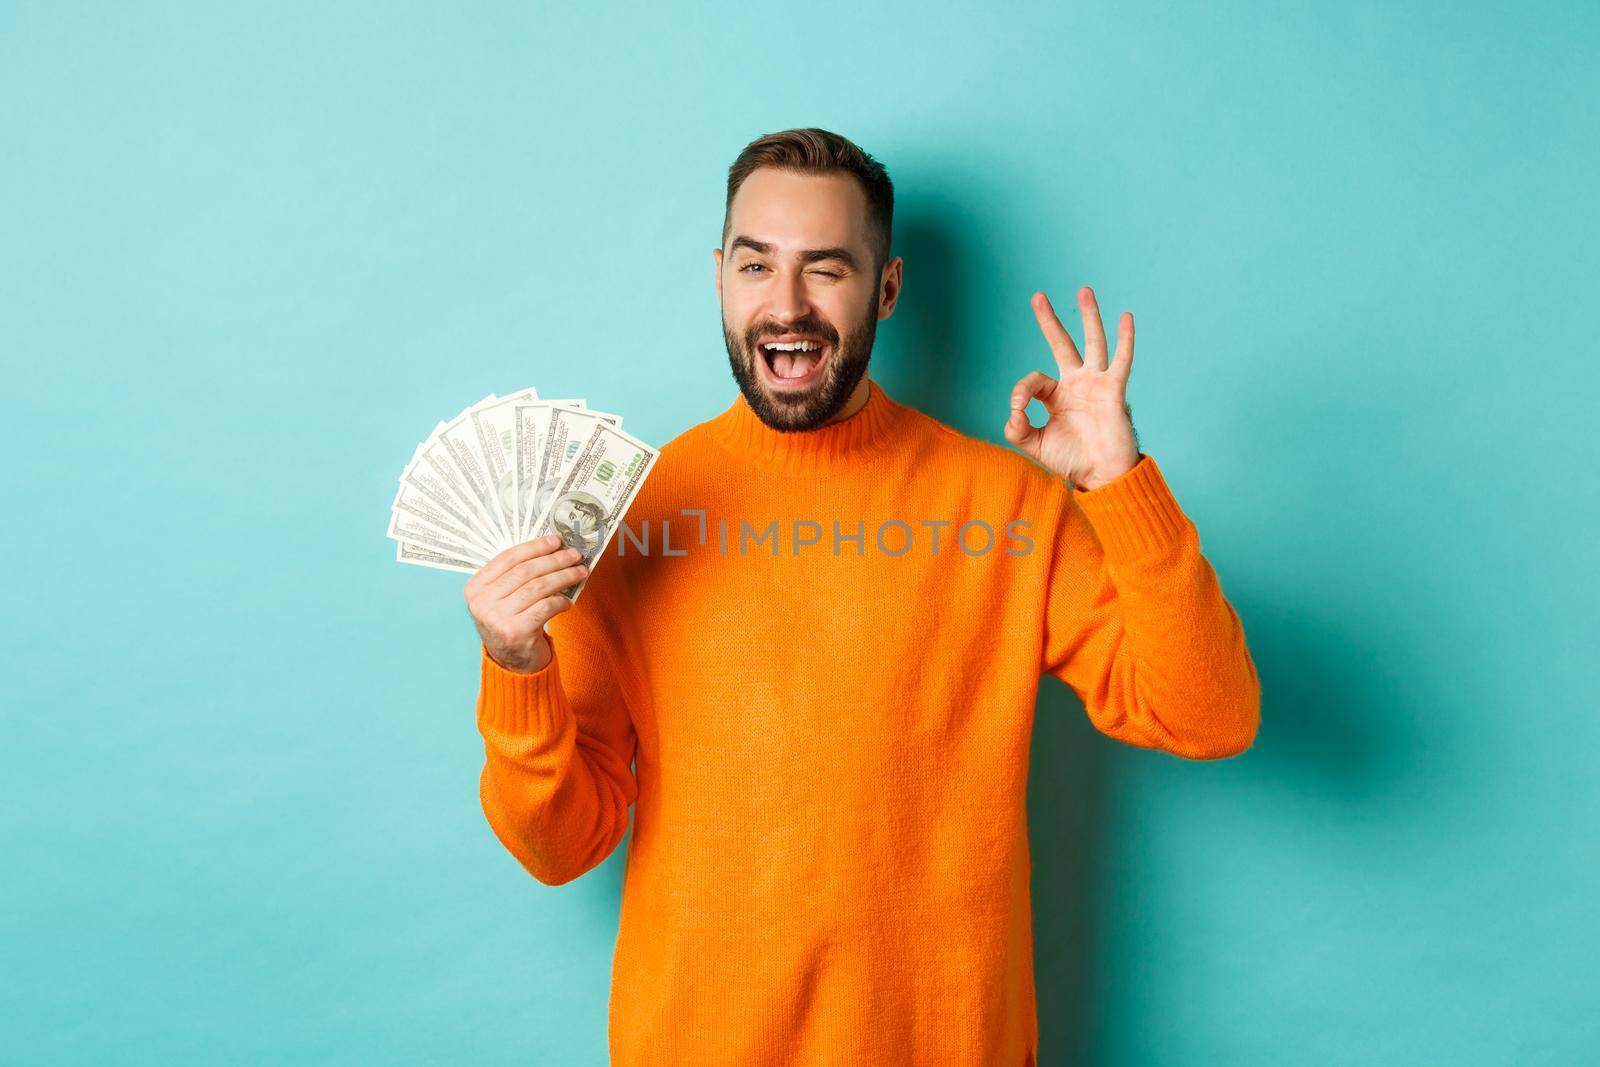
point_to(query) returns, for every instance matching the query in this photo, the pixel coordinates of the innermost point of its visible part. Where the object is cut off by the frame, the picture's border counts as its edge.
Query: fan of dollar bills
(513, 468)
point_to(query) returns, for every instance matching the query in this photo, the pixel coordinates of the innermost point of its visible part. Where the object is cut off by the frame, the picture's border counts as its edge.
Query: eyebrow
(809, 255)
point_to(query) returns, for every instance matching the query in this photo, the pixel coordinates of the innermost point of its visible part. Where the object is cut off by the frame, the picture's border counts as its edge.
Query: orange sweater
(829, 750)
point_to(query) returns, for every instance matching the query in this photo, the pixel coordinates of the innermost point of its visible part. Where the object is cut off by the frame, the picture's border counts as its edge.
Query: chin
(794, 394)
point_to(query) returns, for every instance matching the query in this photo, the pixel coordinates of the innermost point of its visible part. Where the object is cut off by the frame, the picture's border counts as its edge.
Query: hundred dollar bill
(594, 495)
(411, 506)
(548, 439)
(491, 430)
(433, 480)
(434, 456)
(494, 425)
(413, 531)
(455, 443)
(406, 552)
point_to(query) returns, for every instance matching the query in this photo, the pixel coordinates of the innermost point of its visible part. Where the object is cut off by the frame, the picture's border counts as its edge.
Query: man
(820, 636)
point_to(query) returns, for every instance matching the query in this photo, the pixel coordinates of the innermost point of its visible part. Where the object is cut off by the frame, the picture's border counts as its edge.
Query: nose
(788, 296)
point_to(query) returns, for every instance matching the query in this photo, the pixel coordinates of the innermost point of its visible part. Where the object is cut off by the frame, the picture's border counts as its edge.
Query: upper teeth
(792, 346)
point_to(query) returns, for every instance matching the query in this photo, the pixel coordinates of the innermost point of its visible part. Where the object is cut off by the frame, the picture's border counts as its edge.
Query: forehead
(791, 209)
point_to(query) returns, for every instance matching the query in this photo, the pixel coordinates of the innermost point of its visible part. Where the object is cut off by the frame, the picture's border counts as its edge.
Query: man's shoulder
(687, 440)
(684, 464)
(960, 450)
(693, 446)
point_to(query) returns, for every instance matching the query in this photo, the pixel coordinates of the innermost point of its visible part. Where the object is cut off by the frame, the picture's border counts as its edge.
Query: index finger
(511, 557)
(1055, 334)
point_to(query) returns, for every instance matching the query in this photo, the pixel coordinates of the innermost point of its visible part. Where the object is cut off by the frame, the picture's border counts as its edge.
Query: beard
(847, 363)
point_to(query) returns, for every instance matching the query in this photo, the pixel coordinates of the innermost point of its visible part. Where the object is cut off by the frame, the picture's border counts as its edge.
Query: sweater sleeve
(557, 780)
(1137, 624)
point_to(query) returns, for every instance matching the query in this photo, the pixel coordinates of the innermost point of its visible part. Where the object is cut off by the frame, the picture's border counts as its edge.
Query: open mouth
(793, 361)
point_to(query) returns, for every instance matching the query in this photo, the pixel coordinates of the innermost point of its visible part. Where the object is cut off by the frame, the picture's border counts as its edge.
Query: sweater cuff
(1134, 514)
(520, 703)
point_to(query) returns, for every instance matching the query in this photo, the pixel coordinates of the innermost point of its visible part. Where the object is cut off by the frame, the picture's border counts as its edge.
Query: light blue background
(249, 257)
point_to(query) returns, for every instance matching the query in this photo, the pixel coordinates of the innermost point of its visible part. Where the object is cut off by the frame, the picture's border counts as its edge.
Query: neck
(865, 426)
(857, 401)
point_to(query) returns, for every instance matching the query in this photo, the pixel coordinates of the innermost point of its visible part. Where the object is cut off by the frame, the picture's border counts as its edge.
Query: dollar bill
(457, 445)
(492, 433)
(414, 531)
(548, 439)
(432, 479)
(591, 499)
(494, 425)
(480, 482)
(435, 468)
(412, 508)
(422, 557)
(421, 494)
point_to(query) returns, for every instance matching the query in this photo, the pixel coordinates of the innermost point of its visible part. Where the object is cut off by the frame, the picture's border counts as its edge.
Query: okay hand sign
(1088, 436)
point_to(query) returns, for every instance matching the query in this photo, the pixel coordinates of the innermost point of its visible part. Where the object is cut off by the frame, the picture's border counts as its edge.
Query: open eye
(747, 266)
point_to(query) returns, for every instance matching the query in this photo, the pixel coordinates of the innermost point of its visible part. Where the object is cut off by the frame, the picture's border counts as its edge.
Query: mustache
(808, 326)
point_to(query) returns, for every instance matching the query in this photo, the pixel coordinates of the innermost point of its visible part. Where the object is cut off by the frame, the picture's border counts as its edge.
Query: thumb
(1022, 433)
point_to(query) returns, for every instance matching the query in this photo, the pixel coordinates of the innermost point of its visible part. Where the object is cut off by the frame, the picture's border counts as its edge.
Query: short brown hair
(815, 151)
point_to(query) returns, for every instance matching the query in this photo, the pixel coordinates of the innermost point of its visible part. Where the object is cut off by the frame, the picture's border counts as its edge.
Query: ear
(716, 270)
(889, 288)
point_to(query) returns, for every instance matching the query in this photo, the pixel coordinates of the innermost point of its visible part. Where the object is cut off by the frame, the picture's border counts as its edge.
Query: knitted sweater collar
(852, 440)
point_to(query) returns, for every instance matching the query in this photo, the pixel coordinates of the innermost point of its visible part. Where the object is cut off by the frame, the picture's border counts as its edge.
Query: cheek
(863, 291)
(735, 321)
(845, 310)
(738, 310)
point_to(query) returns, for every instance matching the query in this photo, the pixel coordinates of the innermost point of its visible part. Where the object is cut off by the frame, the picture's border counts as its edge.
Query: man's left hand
(1088, 436)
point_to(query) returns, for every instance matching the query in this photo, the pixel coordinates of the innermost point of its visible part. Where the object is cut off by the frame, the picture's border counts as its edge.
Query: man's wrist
(1092, 483)
(539, 657)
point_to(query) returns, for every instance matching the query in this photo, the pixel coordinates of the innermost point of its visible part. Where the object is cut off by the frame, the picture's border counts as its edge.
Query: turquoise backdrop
(250, 253)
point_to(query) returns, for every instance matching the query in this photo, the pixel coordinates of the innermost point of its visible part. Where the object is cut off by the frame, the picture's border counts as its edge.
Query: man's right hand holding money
(516, 593)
